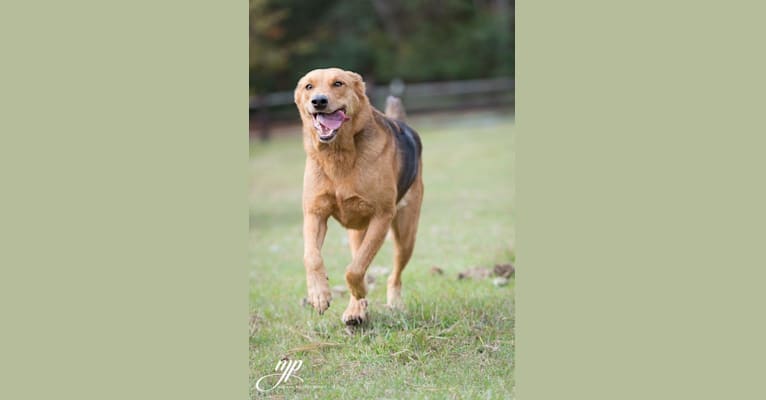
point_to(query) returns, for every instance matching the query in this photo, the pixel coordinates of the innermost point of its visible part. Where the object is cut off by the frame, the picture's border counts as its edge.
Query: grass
(455, 340)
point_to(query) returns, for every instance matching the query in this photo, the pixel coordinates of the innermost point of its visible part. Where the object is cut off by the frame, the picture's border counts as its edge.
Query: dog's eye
(309, 86)
(338, 84)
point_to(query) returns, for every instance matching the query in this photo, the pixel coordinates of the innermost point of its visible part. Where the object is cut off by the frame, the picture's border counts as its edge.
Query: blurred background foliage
(413, 40)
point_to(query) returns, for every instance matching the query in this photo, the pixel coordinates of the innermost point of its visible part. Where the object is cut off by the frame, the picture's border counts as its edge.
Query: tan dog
(363, 169)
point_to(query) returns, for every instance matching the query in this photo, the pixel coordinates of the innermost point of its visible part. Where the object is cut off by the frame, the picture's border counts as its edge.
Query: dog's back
(408, 142)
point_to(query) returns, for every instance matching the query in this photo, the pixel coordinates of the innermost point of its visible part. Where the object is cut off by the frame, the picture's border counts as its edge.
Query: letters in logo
(285, 369)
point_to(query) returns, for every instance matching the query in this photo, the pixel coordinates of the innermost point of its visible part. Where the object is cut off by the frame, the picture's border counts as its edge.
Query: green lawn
(455, 340)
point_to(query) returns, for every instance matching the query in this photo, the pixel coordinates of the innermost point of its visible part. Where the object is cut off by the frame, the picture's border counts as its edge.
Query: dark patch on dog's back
(410, 149)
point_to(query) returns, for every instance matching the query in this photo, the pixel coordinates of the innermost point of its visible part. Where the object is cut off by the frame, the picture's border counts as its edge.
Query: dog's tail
(395, 108)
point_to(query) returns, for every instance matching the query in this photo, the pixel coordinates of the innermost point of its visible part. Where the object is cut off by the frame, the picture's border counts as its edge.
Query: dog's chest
(352, 210)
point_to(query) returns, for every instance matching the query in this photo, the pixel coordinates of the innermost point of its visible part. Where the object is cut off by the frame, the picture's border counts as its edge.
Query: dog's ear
(359, 87)
(297, 93)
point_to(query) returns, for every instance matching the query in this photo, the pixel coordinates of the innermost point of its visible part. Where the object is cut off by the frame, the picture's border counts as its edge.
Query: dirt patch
(501, 272)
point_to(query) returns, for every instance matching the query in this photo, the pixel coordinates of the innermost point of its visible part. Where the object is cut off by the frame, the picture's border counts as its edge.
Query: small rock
(500, 281)
(436, 271)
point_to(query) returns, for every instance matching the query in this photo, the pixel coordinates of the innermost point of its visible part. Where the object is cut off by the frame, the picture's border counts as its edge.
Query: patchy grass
(455, 340)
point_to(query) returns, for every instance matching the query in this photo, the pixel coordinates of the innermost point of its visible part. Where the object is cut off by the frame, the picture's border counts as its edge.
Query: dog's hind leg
(405, 227)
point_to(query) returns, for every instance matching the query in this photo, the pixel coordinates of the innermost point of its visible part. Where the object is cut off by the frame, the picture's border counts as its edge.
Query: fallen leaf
(475, 273)
(436, 271)
(504, 270)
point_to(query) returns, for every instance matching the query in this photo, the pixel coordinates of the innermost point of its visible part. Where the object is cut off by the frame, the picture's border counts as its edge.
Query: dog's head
(332, 101)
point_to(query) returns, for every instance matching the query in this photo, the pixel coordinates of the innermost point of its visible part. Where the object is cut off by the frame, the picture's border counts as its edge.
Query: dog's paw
(394, 297)
(395, 304)
(356, 312)
(319, 295)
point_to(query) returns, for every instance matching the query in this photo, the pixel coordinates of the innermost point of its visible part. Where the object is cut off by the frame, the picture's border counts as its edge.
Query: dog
(364, 169)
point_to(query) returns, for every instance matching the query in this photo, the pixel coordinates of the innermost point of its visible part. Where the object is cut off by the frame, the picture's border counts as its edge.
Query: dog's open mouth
(327, 124)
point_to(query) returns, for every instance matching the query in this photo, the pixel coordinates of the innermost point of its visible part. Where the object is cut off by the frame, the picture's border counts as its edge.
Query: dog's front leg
(314, 231)
(356, 312)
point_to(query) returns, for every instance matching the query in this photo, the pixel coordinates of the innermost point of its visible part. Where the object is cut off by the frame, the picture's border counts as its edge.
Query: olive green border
(640, 200)
(124, 200)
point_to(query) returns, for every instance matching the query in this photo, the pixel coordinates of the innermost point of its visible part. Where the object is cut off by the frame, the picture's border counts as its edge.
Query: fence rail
(417, 97)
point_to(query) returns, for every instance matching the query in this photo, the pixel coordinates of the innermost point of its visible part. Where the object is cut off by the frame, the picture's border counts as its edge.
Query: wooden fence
(417, 98)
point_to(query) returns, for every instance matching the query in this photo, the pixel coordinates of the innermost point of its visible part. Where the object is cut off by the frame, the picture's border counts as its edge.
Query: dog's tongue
(332, 121)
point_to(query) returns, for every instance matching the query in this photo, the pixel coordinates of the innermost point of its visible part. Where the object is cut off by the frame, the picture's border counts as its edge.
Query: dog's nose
(319, 101)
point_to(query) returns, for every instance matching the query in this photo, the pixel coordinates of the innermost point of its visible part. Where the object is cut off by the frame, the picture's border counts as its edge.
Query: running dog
(364, 169)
